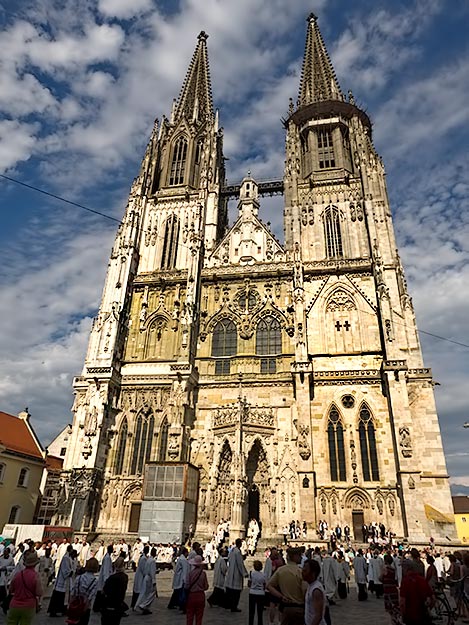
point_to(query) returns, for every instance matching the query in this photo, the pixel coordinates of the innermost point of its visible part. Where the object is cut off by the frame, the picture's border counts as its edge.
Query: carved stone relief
(405, 442)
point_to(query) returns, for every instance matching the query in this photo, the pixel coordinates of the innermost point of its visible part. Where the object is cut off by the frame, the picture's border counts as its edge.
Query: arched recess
(368, 448)
(158, 342)
(336, 445)
(197, 162)
(223, 495)
(170, 242)
(143, 439)
(163, 440)
(287, 495)
(357, 499)
(258, 503)
(342, 322)
(121, 447)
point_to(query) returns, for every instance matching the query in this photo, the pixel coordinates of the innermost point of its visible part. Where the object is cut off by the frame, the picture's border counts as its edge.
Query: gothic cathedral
(290, 376)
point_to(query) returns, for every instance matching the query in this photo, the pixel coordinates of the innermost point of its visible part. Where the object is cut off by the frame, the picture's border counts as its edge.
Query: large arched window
(326, 158)
(163, 442)
(23, 477)
(178, 163)
(268, 343)
(170, 243)
(121, 445)
(332, 234)
(142, 443)
(366, 430)
(335, 436)
(224, 344)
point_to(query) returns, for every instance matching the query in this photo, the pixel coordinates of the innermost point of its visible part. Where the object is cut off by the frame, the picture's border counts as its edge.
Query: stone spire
(195, 99)
(318, 80)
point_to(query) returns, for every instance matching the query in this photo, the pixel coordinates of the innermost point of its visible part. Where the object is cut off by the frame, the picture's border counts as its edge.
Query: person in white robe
(219, 575)
(7, 565)
(85, 553)
(59, 554)
(45, 568)
(62, 586)
(137, 551)
(235, 577)
(375, 572)
(100, 552)
(180, 575)
(148, 588)
(329, 575)
(139, 575)
(360, 568)
(77, 545)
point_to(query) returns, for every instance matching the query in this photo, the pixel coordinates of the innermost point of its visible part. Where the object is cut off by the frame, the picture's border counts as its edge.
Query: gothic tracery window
(224, 345)
(268, 343)
(326, 156)
(366, 430)
(335, 436)
(142, 442)
(170, 243)
(121, 446)
(178, 162)
(332, 233)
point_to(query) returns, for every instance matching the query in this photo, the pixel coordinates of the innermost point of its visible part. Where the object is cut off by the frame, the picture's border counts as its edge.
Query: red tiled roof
(16, 436)
(54, 463)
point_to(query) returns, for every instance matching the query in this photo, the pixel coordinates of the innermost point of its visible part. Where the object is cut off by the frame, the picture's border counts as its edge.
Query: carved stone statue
(405, 442)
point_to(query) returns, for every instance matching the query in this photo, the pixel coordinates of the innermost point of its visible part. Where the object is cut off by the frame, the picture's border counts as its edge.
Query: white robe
(329, 574)
(236, 570)
(64, 574)
(375, 570)
(219, 573)
(105, 571)
(360, 568)
(268, 572)
(7, 566)
(140, 573)
(180, 572)
(61, 551)
(148, 589)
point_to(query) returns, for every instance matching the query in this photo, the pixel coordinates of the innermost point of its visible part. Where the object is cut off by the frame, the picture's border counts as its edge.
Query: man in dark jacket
(115, 587)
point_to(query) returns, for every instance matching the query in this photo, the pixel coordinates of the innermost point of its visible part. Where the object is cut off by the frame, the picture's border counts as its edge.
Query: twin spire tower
(290, 376)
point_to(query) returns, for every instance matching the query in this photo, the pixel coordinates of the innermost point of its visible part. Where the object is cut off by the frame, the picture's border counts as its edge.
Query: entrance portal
(134, 517)
(358, 520)
(253, 503)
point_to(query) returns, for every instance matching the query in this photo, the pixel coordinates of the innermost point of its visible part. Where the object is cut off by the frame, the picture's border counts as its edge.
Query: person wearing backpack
(195, 586)
(83, 595)
(26, 592)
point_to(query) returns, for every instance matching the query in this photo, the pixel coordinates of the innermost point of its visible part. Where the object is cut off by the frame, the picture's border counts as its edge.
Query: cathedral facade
(290, 375)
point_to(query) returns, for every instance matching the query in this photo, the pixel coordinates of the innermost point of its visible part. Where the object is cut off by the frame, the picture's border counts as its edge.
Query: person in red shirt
(416, 596)
(26, 591)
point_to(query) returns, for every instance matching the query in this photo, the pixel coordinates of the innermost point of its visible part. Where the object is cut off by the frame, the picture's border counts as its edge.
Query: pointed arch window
(170, 243)
(178, 162)
(366, 430)
(326, 156)
(197, 160)
(142, 443)
(268, 343)
(224, 345)
(121, 446)
(332, 233)
(163, 446)
(335, 436)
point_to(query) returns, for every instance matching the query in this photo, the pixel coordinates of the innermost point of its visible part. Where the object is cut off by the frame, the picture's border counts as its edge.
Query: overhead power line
(120, 222)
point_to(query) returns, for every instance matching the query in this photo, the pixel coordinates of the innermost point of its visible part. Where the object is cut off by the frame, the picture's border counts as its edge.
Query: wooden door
(358, 520)
(134, 519)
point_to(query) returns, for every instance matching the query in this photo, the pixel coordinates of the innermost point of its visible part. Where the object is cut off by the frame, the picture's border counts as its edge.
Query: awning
(435, 515)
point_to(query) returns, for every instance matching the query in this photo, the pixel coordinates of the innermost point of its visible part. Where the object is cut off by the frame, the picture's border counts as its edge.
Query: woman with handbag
(26, 592)
(83, 594)
(195, 586)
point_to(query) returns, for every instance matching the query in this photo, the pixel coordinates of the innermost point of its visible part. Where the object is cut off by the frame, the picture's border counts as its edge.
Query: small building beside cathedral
(290, 375)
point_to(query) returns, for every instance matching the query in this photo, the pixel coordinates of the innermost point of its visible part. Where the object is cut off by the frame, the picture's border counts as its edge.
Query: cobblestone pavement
(347, 612)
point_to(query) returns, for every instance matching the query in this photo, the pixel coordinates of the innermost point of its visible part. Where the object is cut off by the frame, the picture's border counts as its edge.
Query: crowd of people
(293, 586)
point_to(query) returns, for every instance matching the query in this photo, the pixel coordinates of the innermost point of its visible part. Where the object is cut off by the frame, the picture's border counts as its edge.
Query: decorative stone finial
(202, 36)
(312, 17)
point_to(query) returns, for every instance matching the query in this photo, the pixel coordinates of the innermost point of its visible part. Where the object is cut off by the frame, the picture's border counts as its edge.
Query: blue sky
(80, 84)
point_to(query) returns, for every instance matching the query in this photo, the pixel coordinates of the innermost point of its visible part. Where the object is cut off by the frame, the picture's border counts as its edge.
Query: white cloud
(124, 9)
(16, 142)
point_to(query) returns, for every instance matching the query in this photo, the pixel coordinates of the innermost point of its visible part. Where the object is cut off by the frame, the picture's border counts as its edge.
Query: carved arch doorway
(257, 476)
